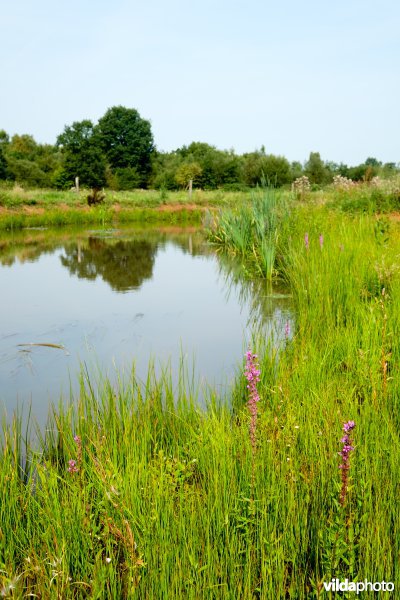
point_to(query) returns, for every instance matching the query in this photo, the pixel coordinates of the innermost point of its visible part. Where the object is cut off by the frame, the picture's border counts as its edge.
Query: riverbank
(32, 208)
(12, 219)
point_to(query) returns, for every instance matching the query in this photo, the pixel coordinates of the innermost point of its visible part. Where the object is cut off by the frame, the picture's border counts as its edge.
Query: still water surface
(109, 298)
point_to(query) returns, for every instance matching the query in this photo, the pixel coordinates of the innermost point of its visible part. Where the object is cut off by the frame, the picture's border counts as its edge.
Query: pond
(107, 299)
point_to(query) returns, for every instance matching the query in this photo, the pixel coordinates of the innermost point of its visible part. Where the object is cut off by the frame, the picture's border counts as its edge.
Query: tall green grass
(344, 363)
(55, 217)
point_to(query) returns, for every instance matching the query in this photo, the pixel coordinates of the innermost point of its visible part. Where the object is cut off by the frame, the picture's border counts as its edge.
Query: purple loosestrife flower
(73, 464)
(252, 374)
(72, 467)
(287, 330)
(306, 241)
(78, 442)
(345, 454)
(321, 241)
(349, 426)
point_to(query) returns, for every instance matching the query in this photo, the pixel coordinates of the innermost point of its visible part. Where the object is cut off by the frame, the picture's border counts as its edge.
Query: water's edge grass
(53, 217)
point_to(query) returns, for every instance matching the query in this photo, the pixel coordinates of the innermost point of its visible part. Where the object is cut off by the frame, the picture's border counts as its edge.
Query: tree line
(118, 152)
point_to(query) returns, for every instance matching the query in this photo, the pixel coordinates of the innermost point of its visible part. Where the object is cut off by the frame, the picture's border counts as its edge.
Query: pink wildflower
(252, 374)
(78, 442)
(345, 454)
(72, 467)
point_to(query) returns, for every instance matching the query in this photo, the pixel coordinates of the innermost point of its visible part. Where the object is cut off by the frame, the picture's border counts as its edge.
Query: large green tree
(259, 167)
(127, 142)
(82, 154)
(218, 167)
(316, 170)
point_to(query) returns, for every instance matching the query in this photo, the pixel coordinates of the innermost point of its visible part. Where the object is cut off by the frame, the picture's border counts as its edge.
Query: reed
(251, 232)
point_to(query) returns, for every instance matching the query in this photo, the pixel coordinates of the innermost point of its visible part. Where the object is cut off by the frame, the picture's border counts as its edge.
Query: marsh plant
(345, 453)
(342, 536)
(252, 375)
(251, 232)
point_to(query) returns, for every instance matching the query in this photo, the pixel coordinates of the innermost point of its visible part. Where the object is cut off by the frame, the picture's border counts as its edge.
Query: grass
(101, 215)
(164, 504)
(14, 196)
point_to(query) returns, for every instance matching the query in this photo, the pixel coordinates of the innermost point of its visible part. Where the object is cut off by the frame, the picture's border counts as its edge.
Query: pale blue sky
(292, 76)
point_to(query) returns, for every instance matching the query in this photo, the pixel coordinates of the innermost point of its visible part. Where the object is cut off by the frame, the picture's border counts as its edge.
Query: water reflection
(268, 302)
(123, 265)
(123, 258)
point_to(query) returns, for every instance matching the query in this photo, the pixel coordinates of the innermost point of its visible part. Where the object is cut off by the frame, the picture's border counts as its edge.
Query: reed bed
(251, 231)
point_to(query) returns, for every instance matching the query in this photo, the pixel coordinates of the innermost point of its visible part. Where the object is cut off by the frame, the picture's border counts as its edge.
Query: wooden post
(77, 185)
(190, 188)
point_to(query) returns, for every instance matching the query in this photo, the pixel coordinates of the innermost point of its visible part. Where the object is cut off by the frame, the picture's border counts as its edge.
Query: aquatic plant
(252, 232)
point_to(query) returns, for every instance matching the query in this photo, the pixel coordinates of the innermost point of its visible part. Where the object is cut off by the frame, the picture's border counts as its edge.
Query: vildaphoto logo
(358, 586)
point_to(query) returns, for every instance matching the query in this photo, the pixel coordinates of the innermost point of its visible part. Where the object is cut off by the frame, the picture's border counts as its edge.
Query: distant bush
(235, 187)
(378, 196)
(27, 172)
(61, 180)
(128, 178)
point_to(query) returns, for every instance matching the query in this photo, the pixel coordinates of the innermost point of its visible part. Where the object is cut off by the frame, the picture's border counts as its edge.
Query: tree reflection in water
(124, 265)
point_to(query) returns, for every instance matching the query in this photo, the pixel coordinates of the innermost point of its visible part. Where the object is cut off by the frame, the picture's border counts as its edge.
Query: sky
(294, 77)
